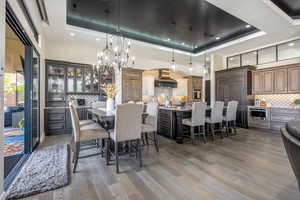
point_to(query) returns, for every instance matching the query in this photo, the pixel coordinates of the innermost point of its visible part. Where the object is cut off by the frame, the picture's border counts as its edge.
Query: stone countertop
(283, 107)
(65, 107)
(187, 108)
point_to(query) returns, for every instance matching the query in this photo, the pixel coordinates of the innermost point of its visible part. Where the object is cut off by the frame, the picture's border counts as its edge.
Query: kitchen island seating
(291, 140)
(150, 124)
(197, 120)
(84, 133)
(230, 116)
(127, 129)
(216, 118)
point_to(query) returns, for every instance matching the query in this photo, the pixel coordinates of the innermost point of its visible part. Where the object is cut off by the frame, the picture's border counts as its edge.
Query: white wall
(2, 62)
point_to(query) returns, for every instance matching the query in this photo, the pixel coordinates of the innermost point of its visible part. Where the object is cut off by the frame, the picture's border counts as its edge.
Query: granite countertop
(187, 108)
(64, 107)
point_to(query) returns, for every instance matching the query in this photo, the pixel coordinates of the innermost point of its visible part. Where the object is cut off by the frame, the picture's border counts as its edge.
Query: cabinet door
(268, 82)
(197, 83)
(79, 79)
(56, 82)
(88, 80)
(132, 86)
(256, 83)
(71, 79)
(294, 80)
(95, 81)
(280, 81)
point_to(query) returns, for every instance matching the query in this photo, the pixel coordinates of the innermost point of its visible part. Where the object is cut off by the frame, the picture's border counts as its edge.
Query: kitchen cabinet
(194, 83)
(70, 79)
(267, 80)
(294, 80)
(280, 81)
(235, 84)
(79, 79)
(55, 74)
(88, 80)
(279, 117)
(256, 82)
(131, 85)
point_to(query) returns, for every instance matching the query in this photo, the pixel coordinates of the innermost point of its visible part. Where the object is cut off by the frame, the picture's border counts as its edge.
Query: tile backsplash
(89, 99)
(279, 99)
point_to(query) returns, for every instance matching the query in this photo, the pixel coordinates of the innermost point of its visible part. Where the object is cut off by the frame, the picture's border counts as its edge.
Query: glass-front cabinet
(95, 80)
(88, 80)
(79, 79)
(71, 79)
(56, 82)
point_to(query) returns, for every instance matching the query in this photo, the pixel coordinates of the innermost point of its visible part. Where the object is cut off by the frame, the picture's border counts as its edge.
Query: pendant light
(173, 66)
(191, 65)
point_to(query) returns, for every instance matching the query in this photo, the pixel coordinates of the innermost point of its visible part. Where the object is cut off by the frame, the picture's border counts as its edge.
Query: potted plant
(297, 102)
(110, 90)
(21, 124)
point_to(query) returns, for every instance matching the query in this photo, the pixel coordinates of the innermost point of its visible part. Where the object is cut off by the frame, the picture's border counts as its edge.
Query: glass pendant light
(191, 65)
(173, 66)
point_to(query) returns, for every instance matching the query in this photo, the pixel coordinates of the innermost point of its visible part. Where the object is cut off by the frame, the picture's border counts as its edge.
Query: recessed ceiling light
(182, 43)
(168, 39)
(291, 44)
(217, 38)
(248, 26)
(230, 58)
(97, 39)
(72, 34)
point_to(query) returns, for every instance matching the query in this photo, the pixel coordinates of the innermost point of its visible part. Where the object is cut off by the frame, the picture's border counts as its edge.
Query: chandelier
(116, 53)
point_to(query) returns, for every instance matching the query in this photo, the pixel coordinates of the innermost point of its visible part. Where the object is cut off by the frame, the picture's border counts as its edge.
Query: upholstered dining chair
(150, 124)
(84, 133)
(197, 120)
(127, 129)
(230, 116)
(216, 118)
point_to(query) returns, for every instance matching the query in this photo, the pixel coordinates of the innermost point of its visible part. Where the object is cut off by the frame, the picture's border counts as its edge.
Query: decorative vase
(110, 104)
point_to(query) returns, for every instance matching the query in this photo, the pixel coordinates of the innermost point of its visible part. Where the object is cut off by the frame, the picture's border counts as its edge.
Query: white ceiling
(259, 13)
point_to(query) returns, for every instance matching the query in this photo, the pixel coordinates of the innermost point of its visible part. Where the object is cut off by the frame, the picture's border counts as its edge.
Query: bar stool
(197, 120)
(216, 117)
(230, 117)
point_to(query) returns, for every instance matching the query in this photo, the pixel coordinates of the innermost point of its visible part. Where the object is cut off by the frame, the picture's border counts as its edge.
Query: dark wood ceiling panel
(197, 22)
(290, 7)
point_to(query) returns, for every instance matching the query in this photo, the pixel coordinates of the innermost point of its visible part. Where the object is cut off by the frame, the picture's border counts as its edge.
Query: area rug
(46, 169)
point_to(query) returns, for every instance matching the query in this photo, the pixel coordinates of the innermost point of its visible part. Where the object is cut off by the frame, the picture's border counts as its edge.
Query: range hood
(164, 79)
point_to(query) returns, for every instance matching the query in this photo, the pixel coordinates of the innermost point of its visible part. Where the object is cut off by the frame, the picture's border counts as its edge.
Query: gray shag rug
(46, 169)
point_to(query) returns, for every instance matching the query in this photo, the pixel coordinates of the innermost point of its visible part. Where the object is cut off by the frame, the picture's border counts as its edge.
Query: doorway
(21, 97)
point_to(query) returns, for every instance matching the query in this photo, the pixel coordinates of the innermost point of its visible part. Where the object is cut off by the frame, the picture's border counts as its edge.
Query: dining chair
(216, 118)
(230, 116)
(197, 120)
(150, 124)
(127, 129)
(85, 133)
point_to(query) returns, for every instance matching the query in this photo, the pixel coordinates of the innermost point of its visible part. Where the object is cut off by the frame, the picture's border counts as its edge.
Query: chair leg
(227, 128)
(212, 126)
(107, 153)
(140, 152)
(155, 140)
(117, 156)
(143, 138)
(204, 134)
(234, 127)
(76, 155)
(193, 134)
(146, 138)
(221, 131)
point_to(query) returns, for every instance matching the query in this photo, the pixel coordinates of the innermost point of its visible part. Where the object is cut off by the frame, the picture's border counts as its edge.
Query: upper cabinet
(71, 79)
(276, 80)
(79, 79)
(294, 79)
(56, 81)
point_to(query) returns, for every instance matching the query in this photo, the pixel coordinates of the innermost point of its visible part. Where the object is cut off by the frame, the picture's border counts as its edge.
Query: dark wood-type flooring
(250, 165)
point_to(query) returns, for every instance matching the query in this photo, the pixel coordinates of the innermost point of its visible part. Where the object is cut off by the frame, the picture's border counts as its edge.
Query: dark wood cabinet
(294, 79)
(257, 82)
(236, 84)
(194, 83)
(131, 85)
(277, 80)
(280, 81)
(268, 82)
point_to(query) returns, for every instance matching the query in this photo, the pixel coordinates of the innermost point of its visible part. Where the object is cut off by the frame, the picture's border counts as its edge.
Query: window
(289, 50)
(234, 61)
(249, 58)
(267, 55)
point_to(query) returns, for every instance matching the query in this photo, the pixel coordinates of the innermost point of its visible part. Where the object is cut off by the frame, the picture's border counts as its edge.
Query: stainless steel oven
(197, 94)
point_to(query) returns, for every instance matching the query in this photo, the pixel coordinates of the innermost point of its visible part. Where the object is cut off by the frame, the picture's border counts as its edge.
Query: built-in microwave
(197, 94)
